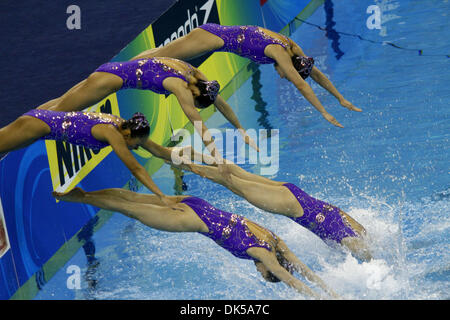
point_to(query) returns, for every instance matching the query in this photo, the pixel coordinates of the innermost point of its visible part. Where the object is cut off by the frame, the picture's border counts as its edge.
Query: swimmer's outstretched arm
(304, 270)
(114, 138)
(102, 199)
(127, 195)
(284, 62)
(157, 150)
(271, 263)
(53, 104)
(323, 81)
(229, 114)
(186, 101)
(226, 110)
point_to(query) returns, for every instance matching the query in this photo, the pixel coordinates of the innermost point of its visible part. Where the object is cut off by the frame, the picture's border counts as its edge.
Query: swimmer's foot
(74, 195)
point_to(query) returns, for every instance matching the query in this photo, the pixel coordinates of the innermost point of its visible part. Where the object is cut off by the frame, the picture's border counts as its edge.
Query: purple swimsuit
(245, 41)
(145, 74)
(228, 230)
(72, 127)
(320, 217)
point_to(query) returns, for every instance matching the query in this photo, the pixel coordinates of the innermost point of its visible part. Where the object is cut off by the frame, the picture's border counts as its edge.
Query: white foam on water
(367, 280)
(149, 264)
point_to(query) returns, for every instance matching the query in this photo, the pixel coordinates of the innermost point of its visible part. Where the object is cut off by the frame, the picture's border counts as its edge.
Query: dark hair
(208, 92)
(284, 263)
(303, 65)
(138, 125)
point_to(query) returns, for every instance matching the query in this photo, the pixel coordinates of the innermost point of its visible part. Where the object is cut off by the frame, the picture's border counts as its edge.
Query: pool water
(388, 168)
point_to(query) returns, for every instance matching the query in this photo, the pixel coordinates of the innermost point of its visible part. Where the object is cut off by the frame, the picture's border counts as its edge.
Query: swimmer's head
(269, 276)
(208, 91)
(136, 130)
(303, 65)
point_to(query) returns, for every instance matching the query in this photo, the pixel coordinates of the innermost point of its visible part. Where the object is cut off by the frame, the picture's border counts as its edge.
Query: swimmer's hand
(347, 104)
(331, 119)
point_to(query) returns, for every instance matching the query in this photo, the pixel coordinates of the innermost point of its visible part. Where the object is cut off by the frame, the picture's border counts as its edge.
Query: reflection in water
(40, 279)
(92, 262)
(330, 31)
(179, 185)
(260, 105)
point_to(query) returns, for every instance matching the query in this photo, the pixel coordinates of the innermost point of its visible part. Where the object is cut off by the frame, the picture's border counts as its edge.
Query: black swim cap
(303, 65)
(208, 92)
(285, 264)
(138, 125)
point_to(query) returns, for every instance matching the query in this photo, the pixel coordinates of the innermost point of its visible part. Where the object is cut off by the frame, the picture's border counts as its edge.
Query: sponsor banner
(183, 17)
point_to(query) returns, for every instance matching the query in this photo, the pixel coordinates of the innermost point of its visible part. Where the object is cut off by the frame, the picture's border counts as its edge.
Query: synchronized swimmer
(161, 75)
(162, 70)
(87, 129)
(241, 237)
(328, 222)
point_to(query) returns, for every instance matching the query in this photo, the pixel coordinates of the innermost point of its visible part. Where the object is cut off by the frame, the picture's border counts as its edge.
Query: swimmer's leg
(50, 104)
(21, 133)
(213, 174)
(96, 87)
(232, 168)
(154, 216)
(358, 247)
(357, 227)
(194, 44)
(135, 196)
(245, 175)
(269, 197)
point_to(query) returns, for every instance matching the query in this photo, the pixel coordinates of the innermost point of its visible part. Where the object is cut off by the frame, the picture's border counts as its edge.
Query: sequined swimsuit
(320, 217)
(228, 230)
(145, 74)
(72, 127)
(245, 41)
